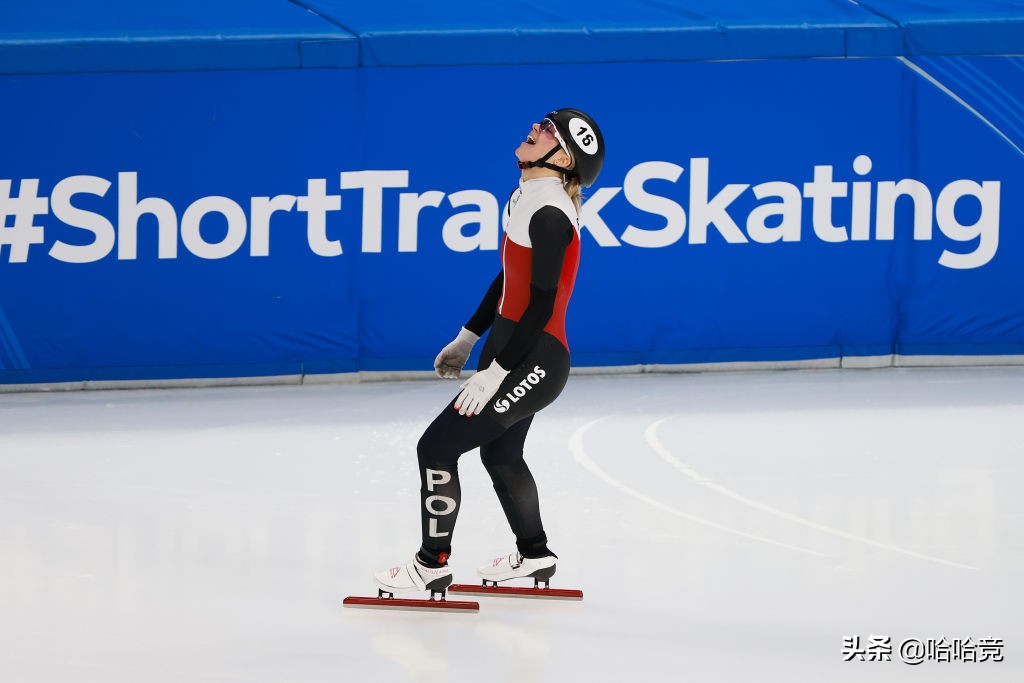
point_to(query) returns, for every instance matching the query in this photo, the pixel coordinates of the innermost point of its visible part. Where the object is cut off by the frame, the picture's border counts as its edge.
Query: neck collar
(543, 179)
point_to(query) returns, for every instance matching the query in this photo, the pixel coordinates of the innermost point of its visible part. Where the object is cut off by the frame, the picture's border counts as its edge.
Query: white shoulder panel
(531, 197)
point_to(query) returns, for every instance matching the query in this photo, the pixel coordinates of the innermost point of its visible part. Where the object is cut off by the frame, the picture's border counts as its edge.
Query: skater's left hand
(478, 389)
(452, 359)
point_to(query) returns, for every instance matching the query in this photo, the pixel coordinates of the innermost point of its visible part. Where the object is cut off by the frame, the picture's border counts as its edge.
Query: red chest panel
(517, 261)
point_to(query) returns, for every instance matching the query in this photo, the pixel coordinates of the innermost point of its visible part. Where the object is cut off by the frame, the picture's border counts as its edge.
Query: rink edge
(848, 362)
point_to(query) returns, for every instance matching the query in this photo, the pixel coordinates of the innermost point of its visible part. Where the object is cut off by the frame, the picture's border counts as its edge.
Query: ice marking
(651, 435)
(580, 454)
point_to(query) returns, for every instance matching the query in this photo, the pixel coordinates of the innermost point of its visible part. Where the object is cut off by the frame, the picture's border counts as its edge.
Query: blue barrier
(64, 36)
(298, 220)
(461, 32)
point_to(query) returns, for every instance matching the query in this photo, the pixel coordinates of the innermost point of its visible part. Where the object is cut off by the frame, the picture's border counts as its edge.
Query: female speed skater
(523, 366)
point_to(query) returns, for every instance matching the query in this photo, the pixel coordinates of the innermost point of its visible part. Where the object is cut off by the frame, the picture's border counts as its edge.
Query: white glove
(450, 361)
(478, 389)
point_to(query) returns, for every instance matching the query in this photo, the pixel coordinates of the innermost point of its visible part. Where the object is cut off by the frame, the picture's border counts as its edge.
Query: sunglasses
(547, 126)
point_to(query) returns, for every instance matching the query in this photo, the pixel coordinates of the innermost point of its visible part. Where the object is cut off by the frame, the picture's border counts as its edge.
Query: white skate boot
(414, 576)
(515, 566)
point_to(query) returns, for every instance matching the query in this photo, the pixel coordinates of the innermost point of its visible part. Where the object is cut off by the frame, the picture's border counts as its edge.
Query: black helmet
(584, 140)
(579, 136)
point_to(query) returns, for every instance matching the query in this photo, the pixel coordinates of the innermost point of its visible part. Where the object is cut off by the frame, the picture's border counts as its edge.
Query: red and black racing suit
(525, 308)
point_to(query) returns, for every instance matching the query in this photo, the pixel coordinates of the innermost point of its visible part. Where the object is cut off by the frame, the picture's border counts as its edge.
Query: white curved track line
(580, 454)
(651, 435)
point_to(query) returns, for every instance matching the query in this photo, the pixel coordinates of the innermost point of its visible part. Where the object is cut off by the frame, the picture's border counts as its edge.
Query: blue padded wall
(279, 188)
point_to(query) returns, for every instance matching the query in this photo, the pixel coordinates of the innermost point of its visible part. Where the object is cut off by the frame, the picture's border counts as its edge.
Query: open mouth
(530, 140)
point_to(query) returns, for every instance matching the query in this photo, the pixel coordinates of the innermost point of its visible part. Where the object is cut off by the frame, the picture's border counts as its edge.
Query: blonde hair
(575, 191)
(571, 183)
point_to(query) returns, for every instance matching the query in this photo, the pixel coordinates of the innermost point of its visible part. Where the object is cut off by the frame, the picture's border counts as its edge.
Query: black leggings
(500, 432)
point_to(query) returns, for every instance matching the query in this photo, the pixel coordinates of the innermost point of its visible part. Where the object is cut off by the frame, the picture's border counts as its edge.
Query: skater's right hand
(452, 359)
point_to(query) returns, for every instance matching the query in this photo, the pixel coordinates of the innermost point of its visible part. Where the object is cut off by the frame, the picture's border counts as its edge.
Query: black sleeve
(484, 315)
(551, 233)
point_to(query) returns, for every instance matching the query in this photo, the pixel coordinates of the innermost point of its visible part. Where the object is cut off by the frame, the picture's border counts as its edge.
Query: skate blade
(456, 606)
(512, 592)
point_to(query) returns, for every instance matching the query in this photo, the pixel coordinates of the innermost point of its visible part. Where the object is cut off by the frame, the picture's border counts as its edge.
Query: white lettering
(409, 206)
(193, 238)
(130, 209)
(433, 479)
(486, 216)
(965, 211)
(591, 221)
(315, 205)
(821, 191)
(715, 212)
(262, 208)
(449, 505)
(885, 212)
(985, 229)
(102, 229)
(373, 183)
(790, 209)
(860, 220)
(675, 217)
(437, 477)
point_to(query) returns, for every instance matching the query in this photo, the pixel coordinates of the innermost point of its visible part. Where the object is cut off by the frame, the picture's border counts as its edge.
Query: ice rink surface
(723, 526)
